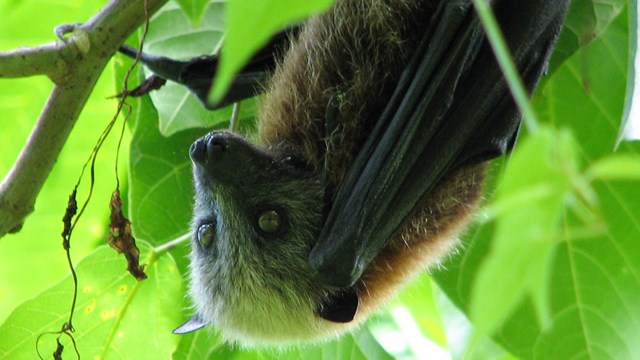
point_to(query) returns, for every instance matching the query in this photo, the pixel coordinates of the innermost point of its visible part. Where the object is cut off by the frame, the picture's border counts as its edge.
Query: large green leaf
(116, 316)
(194, 9)
(594, 271)
(160, 188)
(586, 21)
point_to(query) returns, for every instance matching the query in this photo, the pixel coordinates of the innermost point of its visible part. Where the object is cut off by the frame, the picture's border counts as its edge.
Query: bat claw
(191, 325)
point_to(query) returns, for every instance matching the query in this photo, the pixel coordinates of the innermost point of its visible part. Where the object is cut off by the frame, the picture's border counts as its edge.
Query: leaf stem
(160, 249)
(505, 60)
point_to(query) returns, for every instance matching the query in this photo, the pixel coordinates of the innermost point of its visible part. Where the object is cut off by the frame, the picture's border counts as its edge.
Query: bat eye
(206, 234)
(269, 221)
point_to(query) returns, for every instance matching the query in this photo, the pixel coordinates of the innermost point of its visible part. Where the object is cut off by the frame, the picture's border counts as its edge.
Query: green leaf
(171, 34)
(198, 345)
(398, 330)
(116, 316)
(595, 269)
(459, 332)
(360, 345)
(250, 24)
(194, 9)
(495, 291)
(160, 188)
(616, 167)
(419, 298)
(630, 124)
(586, 21)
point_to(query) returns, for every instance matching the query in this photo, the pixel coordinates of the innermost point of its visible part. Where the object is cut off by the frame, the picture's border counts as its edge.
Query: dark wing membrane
(451, 108)
(197, 74)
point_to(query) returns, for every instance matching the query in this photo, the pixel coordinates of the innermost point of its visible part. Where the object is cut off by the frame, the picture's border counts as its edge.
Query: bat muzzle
(227, 158)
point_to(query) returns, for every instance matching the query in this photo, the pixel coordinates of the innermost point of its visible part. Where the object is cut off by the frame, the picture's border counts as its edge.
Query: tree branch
(74, 65)
(25, 62)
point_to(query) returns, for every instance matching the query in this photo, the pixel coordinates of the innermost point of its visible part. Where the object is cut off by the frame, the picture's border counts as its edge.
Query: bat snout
(227, 157)
(209, 148)
(197, 151)
(216, 146)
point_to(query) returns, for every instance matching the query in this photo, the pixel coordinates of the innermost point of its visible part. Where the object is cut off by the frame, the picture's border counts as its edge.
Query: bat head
(256, 217)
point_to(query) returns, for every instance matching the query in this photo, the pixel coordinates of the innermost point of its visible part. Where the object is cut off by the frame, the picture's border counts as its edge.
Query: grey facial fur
(248, 281)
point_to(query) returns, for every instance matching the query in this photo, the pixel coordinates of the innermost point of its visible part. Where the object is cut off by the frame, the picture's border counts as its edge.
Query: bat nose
(227, 158)
(210, 146)
(216, 145)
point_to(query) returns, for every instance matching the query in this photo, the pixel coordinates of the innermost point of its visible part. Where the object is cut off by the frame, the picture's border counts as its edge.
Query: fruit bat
(376, 123)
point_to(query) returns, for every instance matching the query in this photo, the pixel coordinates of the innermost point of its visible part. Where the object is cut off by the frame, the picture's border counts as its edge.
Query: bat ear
(340, 307)
(193, 324)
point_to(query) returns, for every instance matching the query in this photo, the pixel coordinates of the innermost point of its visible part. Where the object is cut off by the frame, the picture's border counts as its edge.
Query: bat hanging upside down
(374, 131)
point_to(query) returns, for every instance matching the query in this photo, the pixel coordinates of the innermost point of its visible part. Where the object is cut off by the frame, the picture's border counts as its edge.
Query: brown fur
(360, 48)
(429, 235)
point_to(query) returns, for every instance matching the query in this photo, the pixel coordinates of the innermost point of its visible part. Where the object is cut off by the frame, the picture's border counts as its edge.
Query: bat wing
(451, 108)
(197, 74)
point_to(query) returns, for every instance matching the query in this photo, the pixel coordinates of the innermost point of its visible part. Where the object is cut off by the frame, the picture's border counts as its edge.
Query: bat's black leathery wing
(451, 108)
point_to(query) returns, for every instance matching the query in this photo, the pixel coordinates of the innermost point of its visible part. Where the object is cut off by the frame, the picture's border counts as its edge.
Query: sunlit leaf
(496, 292)
(116, 316)
(198, 345)
(630, 128)
(595, 267)
(419, 298)
(359, 345)
(616, 167)
(194, 9)
(250, 24)
(586, 21)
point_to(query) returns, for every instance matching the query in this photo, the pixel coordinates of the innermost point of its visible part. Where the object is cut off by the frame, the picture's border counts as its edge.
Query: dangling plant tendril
(72, 209)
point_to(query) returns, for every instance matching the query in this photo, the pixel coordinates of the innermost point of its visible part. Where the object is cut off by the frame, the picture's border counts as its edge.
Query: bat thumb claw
(191, 325)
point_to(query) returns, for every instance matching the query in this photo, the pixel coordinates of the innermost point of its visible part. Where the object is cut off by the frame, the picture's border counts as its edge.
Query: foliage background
(587, 268)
